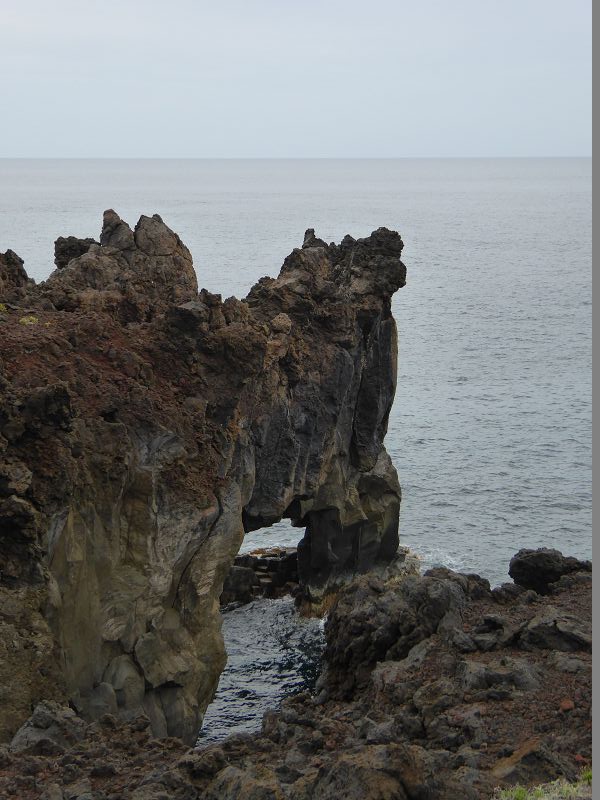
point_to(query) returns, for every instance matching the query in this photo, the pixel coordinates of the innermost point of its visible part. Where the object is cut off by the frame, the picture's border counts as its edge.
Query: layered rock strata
(144, 426)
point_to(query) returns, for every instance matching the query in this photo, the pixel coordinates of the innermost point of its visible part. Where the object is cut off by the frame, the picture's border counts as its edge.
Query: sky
(295, 78)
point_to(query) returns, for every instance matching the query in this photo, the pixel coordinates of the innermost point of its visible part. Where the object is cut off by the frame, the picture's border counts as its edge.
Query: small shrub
(516, 793)
(556, 790)
(29, 319)
(2, 308)
(586, 776)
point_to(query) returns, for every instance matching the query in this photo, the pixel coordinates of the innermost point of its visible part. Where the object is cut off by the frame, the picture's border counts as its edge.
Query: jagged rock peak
(310, 240)
(115, 232)
(134, 274)
(13, 277)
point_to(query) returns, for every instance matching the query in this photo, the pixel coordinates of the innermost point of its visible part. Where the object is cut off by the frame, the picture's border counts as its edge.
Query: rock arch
(145, 425)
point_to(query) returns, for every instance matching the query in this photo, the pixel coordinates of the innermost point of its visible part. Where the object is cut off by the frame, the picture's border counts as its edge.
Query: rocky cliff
(145, 426)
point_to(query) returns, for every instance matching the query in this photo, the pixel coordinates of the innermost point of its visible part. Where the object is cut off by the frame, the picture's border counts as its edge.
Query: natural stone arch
(178, 421)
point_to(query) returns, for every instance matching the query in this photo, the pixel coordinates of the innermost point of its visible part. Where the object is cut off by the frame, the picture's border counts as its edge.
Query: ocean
(491, 427)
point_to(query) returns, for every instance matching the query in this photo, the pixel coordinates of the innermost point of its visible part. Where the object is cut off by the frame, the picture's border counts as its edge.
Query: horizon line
(290, 158)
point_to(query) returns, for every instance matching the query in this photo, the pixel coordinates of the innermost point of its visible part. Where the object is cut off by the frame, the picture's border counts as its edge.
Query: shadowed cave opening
(272, 651)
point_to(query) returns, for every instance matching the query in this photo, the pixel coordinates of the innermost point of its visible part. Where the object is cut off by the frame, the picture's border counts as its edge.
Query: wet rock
(240, 586)
(537, 569)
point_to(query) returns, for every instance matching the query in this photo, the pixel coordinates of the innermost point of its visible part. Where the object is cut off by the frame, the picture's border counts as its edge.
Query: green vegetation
(2, 308)
(29, 319)
(586, 776)
(557, 790)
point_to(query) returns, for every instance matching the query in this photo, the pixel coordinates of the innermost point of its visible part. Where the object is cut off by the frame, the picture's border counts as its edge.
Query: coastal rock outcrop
(539, 569)
(144, 426)
(431, 688)
(13, 278)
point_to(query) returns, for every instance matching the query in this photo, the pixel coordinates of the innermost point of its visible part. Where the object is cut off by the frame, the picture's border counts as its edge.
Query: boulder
(552, 629)
(372, 621)
(51, 729)
(538, 569)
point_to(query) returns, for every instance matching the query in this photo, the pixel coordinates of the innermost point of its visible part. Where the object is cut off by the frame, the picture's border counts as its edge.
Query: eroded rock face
(144, 426)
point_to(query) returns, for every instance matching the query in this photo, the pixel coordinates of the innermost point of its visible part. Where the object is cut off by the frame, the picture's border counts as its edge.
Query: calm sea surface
(491, 428)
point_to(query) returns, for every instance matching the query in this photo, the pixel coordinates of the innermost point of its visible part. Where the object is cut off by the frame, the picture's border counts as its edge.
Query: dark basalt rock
(266, 573)
(13, 278)
(538, 569)
(373, 621)
(66, 248)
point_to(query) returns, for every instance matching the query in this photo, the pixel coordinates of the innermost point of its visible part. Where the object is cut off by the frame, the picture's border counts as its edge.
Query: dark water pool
(272, 653)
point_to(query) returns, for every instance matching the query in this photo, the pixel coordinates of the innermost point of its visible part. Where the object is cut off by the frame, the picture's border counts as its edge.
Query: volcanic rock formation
(433, 686)
(144, 426)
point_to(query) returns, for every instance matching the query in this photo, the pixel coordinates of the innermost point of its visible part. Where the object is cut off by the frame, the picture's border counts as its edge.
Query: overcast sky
(297, 78)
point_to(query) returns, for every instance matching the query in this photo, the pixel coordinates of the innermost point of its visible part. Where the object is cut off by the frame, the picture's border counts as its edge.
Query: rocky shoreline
(433, 686)
(145, 427)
